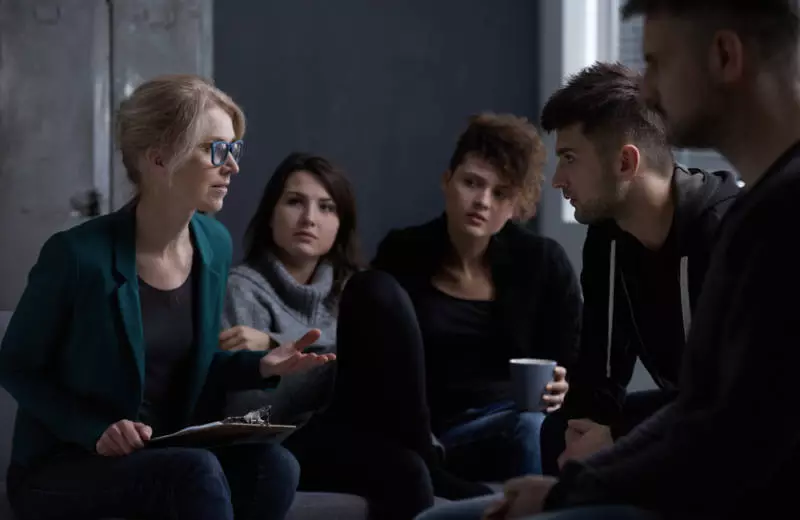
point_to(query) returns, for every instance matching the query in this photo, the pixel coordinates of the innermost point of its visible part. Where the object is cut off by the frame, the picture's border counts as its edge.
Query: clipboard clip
(259, 416)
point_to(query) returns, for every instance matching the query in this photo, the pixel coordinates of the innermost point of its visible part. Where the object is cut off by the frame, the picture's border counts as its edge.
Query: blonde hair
(165, 113)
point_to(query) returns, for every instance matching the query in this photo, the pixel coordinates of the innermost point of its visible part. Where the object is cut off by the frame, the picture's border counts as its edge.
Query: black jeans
(245, 482)
(375, 438)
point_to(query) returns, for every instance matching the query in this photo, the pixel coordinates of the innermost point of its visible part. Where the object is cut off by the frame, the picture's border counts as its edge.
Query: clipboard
(252, 427)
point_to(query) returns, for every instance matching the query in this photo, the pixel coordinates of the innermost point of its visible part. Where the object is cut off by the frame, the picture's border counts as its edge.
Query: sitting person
(723, 75)
(652, 226)
(366, 432)
(301, 248)
(486, 290)
(114, 340)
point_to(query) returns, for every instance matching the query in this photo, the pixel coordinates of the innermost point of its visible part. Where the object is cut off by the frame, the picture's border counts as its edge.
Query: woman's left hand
(556, 390)
(289, 358)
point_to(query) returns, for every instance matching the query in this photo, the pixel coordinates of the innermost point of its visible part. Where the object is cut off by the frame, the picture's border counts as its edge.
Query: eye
(500, 194)
(294, 201)
(567, 158)
(327, 207)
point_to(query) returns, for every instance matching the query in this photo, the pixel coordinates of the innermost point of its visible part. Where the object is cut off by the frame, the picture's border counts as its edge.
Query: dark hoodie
(729, 444)
(646, 311)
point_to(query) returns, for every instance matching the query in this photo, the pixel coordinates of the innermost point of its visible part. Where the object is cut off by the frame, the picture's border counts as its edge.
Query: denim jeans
(473, 510)
(245, 482)
(494, 443)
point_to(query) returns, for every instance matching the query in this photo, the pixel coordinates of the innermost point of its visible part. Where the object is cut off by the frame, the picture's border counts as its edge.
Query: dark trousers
(375, 438)
(243, 482)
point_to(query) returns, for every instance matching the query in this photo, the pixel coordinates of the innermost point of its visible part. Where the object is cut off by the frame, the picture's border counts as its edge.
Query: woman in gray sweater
(301, 250)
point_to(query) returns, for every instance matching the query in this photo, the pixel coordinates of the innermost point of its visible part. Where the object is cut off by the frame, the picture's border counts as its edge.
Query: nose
(484, 199)
(309, 216)
(231, 167)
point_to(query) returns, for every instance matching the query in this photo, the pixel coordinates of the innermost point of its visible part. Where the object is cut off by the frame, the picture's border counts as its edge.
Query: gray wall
(382, 88)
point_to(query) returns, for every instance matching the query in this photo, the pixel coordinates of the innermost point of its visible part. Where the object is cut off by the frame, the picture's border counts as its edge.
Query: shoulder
(526, 245)
(530, 251)
(413, 234)
(244, 278)
(93, 241)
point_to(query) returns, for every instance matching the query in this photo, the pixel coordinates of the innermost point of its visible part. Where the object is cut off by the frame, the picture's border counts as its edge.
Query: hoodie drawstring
(686, 308)
(612, 261)
(686, 305)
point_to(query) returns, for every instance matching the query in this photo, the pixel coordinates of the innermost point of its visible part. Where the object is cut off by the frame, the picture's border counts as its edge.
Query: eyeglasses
(220, 150)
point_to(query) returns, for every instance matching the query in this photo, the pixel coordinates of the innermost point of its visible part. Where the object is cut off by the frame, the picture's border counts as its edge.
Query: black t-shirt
(168, 322)
(465, 367)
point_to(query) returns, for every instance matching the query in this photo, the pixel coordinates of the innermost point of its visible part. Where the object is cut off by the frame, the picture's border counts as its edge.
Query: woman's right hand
(123, 438)
(241, 337)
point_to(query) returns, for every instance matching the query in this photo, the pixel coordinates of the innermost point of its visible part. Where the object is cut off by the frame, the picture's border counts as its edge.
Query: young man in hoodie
(651, 229)
(724, 74)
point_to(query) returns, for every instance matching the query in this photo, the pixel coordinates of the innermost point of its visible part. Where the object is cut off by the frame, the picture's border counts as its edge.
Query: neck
(161, 227)
(649, 210)
(468, 252)
(761, 131)
(301, 270)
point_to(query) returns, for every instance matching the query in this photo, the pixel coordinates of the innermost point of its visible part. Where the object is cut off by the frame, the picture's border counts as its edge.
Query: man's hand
(556, 390)
(523, 496)
(241, 337)
(123, 438)
(289, 358)
(584, 438)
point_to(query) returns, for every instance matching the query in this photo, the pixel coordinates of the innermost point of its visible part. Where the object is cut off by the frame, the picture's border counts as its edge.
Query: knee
(407, 466)
(529, 425)
(374, 290)
(280, 462)
(201, 467)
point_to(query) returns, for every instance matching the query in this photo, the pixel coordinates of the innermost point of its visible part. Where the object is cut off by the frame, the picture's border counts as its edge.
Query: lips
(305, 234)
(477, 217)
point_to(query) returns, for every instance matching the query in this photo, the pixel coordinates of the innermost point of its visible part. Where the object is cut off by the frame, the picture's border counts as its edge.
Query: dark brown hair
(605, 100)
(771, 26)
(345, 254)
(511, 145)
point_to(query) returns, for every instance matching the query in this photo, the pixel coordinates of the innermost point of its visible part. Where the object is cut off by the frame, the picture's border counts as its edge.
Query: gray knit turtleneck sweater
(267, 298)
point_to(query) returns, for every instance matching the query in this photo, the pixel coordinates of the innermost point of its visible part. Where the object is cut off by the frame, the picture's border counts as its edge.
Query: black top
(536, 312)
(689, 458)
(168, 326)
(467, 368)
(648, 313)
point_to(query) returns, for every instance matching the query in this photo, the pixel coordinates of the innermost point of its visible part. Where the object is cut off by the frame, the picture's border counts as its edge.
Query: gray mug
(529, 379)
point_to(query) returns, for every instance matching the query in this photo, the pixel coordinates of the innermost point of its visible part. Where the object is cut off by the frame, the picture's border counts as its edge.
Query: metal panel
(150, 38)
(54, 142)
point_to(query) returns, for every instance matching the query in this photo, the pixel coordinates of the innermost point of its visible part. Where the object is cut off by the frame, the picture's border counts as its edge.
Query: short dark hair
(345, 254)
(605, 99)
(511, 145)
(772, 25)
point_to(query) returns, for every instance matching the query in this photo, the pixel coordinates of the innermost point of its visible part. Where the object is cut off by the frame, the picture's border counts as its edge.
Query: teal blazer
(73, 355)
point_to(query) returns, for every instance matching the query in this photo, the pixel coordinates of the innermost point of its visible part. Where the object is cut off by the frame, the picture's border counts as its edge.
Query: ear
(155, 160)
(726, 57)
(629, 161)
(446, 177)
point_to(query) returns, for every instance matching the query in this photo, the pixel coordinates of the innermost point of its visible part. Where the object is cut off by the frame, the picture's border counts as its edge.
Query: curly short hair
(512, 145)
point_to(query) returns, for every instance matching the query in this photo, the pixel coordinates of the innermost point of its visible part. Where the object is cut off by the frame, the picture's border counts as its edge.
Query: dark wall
(381, 88)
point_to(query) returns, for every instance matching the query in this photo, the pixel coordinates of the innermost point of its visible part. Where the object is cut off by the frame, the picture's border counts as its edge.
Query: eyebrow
(563, 150)
(213, 138)
(301, 194)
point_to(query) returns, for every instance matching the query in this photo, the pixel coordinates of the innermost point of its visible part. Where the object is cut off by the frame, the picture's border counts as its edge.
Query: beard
(603, 206)
(701, 127)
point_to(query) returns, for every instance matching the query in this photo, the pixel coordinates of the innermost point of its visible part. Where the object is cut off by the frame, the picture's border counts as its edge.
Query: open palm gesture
(289, 358)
